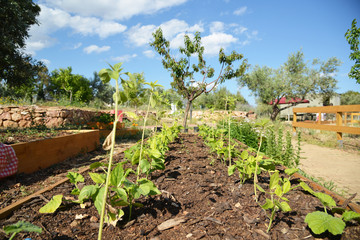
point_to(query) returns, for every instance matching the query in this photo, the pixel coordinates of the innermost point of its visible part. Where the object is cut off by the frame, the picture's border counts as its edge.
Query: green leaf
(260, 188)
(132, 115)
(320, 222)
(122, 193)
(52, 205)
(325, 199)
(144, 165)
(96, 165)
(98, 201)
(155, 153)
(157, 164)
(244, 155)
(147, 187)
(291, 171)
(306, 187)
(268, 205)
(117, 175)
(284, 206)
(231, 170)
(104, 75)
(274, 180)
(97, 178)
(87, 192)
(75, 177)
(22, 226)
(286, 187)
(75, 191)
(350, 215)
(153, 101)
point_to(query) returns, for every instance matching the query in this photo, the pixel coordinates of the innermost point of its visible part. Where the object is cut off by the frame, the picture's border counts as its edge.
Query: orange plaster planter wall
(44, 153)
(119, 132)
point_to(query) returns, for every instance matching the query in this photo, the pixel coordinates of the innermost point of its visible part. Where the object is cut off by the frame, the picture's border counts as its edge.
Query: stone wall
(26, 116)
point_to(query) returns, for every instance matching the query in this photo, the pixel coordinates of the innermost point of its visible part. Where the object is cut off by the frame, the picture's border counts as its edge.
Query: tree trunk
(275, 112)
(186, 113)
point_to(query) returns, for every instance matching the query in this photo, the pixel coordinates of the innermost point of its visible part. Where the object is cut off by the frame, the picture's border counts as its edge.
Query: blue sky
(87, 34)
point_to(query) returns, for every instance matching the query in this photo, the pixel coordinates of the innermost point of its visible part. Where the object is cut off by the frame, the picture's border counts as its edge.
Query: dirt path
(334, 165)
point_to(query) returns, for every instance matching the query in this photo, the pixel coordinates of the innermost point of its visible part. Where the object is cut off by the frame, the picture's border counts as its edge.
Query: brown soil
(211, 204)
(18, 136)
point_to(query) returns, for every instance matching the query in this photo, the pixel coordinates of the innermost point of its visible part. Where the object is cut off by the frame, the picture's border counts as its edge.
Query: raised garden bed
(41, 154)
(204, 200)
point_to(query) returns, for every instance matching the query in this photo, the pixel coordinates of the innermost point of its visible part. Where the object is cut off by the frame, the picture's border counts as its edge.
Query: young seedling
(21, 226)
(278, 187)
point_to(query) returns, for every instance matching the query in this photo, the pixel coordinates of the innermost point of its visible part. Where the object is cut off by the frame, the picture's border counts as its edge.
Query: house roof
(283, 100)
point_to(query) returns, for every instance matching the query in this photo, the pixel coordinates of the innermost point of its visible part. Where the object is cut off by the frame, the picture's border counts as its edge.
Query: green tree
(350, 98)
(134, 88)
(183, 72)
(16, 17)
(101, 91)
(74, 85)
(293, 80)
(352, 36)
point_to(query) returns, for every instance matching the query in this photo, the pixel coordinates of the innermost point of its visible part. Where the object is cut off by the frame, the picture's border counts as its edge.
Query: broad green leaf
(291, 171)
(144, 165)
(320, 222)
(96, 165)
(155, 153)
(75, 191)
(87, 192)
(268, 205)
(153, 101)
(98, 201)
(75, 177)
(306, 187)
(244, 155)
(157, 164)
(104, 75)
(138, 204)
(325, 199)
(284, 206)
(350, 215)
(286, 187)
(278, 191)
(135, 157)
(116, 176)
(122, 193)
(97, 178)
(117, 67)
(148, 187)
(22, 226)
(274, 180)
(52, 205)
(231, 170)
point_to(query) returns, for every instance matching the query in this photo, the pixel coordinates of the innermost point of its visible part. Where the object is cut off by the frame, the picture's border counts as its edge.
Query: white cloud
(124, 58)
(217, 27)
(96, 49)
(142, 35)
(240, 11)
(113, 9)
(149, 53)
(77, 45)
(52, 20)
(215, 41)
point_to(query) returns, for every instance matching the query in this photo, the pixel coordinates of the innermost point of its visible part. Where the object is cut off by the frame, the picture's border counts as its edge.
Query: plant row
(250, 163)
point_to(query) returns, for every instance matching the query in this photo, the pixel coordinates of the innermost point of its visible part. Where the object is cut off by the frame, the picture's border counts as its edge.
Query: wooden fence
(339, 125)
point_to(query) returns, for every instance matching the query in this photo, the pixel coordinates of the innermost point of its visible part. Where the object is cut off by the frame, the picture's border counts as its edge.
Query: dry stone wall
(26, 116)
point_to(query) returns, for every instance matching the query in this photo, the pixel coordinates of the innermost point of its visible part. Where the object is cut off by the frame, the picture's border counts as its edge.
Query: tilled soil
(205, 201)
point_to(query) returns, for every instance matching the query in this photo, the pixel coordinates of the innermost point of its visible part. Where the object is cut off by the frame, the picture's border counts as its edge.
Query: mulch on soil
(206, 202)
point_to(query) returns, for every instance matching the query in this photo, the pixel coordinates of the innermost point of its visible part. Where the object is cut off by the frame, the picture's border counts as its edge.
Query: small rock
(189, 235)
(262, 233)
(238, 205)
(94, 225)
(81, 216)
(94, 219)
(170, 223)
(284, 230)
(155, 238)
(74, 223)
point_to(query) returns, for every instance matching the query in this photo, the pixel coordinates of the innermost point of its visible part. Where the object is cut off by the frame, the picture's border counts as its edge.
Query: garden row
(194, 197)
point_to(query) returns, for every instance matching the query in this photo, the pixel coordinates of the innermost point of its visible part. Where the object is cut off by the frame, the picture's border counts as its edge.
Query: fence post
(294, 121)
(339, 121)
